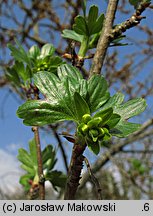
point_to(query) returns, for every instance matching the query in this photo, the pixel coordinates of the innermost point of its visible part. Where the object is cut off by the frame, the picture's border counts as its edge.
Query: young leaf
(34, 52)
(25, 158)
(80, 26)
(70, 34)
(131, 108)
(32, 171)
(114, 101)
(22, 72)
(47, 50)
(95, 23)
(125, 128)
(24, 180)
(59, 104)
(42, 113)
(57, 179)
(97, 92)
(94, 147)
(98, 24)
(49, 158)
(19, 53)
(115, 118)
(13, 76)
(68, 70)
(105, 115)
(92, 16)
(81, 107)
(33, 151)
(82, 88)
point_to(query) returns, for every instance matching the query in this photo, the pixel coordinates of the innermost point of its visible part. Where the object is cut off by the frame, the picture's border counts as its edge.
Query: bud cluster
(93, 129)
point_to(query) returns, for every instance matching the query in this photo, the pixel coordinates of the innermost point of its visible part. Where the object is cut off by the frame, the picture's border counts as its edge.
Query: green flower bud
(94, 122)
(83, 128)
(93, 134)
(107, 134)
(101, 132)
(86, 118)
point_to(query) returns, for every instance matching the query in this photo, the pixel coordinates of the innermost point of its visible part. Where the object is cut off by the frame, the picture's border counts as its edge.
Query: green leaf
(19, 53)
(47, 50)
(59, 104)
(57, 179)
(82, 88)
(34, 52)
(29, 170)
(125, 128)
(68, 70)
(114, 101)
(81, 107)
(24, 180)
(97, 92)
(18, 74)
(54, 62)
(22, 72)
(94, 147)
(13, 76)
(92, 16)
(131, 108)
(49, 158)
(99, 24)
(107, 135)
(42, 113)
(115, 118)
(94, 22)
(105, 115)
(80, 25)
(70, 34)
(25, 158)
(33, 151)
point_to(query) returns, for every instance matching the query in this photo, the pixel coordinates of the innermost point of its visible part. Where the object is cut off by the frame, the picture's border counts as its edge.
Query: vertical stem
(75, 168)
(39, 155)
(40, 164)
(104, 39)
(84, 47)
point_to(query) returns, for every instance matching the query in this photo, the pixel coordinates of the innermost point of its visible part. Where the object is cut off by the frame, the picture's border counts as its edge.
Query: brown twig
(35, 129)
(108, 34)
(75, 168)
(40, 164)
(131, 22)
(104, 39)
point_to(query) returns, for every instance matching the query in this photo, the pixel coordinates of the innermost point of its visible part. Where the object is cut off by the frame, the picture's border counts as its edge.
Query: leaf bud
(83, 128)
(94, 122)
(86, 118)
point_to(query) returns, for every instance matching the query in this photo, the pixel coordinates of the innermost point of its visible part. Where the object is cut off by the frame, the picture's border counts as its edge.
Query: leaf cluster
(87, 29)
(26, 64)
(30, 165)
(69, 97)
